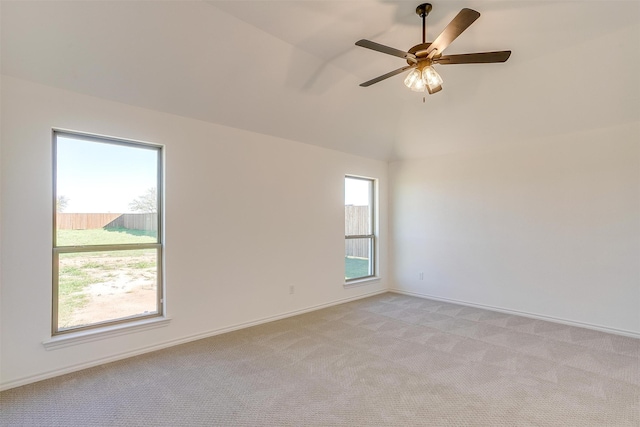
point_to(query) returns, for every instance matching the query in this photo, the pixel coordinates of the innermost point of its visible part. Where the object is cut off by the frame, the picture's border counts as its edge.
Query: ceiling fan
(421, 57)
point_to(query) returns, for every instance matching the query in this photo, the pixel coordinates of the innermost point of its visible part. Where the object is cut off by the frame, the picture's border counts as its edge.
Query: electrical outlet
(421, 276)
(292, 289)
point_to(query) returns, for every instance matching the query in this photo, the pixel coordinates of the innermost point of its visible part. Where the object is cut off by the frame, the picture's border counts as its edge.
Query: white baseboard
(119, 356)
(615, 331)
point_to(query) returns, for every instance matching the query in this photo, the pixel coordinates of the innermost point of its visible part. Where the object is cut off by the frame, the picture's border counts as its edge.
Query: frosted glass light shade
(432, 79)
(420, 85)
(412, 77)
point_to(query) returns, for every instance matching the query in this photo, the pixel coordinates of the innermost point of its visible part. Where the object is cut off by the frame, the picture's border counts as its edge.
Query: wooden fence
(147, 221)
(87, 221)
(357, 222)
(84, 221)
(357, 248)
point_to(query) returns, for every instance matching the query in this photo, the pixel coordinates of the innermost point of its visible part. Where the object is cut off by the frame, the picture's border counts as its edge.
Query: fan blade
(386, 76)
(474, 58)
(386, 49)
(461, 22)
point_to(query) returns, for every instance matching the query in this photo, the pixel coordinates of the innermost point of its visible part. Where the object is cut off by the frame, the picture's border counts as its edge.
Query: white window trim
(355, 283)
(95, 334)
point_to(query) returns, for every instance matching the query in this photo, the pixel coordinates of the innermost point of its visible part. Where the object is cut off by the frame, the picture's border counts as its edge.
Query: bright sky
(102, 177)
(356, 192)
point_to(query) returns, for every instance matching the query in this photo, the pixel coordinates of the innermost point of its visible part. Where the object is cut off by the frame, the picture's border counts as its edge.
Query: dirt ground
(120, 286)
(115, 305)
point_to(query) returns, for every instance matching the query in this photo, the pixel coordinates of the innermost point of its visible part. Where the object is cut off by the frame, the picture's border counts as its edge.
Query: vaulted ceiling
(291, 69)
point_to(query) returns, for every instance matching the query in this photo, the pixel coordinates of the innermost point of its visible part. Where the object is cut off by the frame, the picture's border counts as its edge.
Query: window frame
(373, 241)
(158, 245)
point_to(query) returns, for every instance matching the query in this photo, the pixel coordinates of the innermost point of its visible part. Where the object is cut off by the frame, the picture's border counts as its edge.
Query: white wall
(246, 215)
(548, 227)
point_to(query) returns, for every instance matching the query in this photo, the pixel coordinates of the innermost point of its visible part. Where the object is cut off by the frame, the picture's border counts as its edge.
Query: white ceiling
(291, 69)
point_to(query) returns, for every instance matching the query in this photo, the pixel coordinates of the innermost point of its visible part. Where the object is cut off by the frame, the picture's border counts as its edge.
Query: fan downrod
(423, 9)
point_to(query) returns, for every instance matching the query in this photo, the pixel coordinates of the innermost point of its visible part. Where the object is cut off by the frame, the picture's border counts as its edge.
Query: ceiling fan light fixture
(420, 85)
(423, 80)
(412, 78)
(431, 77)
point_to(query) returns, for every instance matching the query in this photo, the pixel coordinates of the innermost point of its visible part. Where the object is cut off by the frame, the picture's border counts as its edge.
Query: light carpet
(388, 360)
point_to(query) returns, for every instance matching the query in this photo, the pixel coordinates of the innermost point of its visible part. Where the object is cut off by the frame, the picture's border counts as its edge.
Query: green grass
(142, 264)
(71, 284)
(355, 267)
(100, 236)
(92, 264)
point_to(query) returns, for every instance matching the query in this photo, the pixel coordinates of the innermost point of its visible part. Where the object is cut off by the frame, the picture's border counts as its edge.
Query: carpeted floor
(389, 360)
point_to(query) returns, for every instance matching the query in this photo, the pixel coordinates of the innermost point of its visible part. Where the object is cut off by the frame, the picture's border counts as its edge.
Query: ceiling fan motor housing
(420, 51)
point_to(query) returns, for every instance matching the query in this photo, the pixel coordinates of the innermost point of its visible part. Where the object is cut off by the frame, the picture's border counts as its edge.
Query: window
(107, 234)
(359, 228)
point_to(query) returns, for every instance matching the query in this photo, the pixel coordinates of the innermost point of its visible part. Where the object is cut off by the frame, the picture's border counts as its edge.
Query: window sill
(361, 282)
(74, 338)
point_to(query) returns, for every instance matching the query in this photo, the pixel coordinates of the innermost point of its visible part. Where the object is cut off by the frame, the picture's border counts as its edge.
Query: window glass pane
(103, 286)
(358, 207)
(358, 259)
(106, 193)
